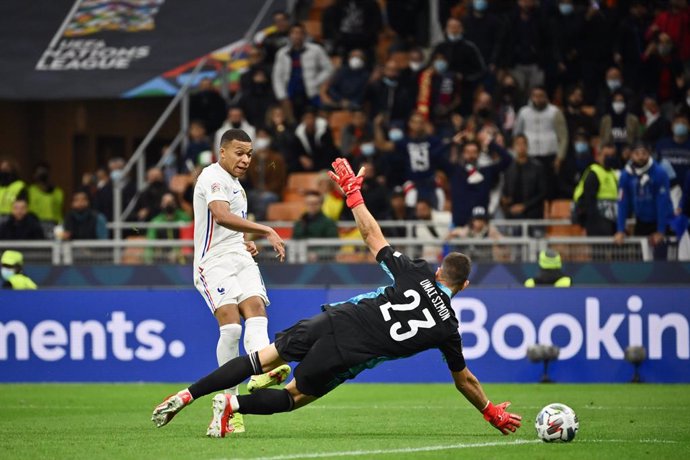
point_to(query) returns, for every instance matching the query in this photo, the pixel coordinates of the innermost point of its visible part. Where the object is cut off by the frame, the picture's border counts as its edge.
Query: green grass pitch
(357, 420)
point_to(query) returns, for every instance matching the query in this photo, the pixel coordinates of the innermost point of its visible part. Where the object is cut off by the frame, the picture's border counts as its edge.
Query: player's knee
(252, 307)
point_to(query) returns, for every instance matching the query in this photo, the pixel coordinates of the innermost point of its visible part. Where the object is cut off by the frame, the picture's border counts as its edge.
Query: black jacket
(28, 228)
(532, 185)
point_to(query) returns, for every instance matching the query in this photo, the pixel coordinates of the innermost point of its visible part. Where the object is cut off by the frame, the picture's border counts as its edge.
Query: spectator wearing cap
(12, 272)
(550, 272)
(619, 126)
(643, 191)
(524, 188)
(22, 224)
(480, 228)
(299, 70)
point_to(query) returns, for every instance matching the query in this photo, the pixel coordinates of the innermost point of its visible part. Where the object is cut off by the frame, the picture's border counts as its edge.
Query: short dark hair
(472, 142)
(234, 135)
(520, 136)
(456, 269)
(298, 25)
(679, 116)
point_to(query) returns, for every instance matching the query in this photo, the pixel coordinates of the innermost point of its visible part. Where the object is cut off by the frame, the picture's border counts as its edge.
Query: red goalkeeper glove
(345, 177)
(503, 421)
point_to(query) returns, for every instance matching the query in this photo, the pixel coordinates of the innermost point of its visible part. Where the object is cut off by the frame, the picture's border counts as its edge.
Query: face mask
(390, 82)
(581, 147)
(618, 107)
(480, 5)
(416, 66)
(648, 114)
(484, 113)
(664, 50)
(262, 143)
(395, 134)
(367, 149)
(680, 129)
(116, 175)
(455, 37)
(7, 273)
(613, 84)
(610, 162)
(236, 124)
(356, 62)
(169, 209)
(440, 66)
(565, 8)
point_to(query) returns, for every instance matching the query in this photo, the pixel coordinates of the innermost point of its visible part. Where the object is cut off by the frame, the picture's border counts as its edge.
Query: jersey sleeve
(213, 189)
(393, 262)
(452, 352)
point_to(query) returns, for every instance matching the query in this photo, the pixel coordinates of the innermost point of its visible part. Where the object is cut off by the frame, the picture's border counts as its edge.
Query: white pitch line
(411, 450)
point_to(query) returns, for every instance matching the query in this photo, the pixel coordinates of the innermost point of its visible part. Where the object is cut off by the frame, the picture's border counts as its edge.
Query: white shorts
(229, 279)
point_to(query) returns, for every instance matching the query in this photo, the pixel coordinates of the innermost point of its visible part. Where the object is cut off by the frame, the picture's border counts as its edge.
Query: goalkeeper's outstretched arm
(351, 185)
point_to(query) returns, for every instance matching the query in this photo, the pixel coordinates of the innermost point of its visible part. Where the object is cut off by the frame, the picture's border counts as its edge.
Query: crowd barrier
(168, 335)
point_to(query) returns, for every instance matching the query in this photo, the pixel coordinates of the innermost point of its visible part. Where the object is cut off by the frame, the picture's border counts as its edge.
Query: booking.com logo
(50, 340)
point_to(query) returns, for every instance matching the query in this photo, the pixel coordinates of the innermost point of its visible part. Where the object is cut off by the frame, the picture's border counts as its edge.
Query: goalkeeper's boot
(269, 379)
(221, 423)
(165, 411)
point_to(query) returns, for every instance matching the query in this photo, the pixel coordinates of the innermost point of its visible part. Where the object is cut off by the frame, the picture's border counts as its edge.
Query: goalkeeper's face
(235, 157)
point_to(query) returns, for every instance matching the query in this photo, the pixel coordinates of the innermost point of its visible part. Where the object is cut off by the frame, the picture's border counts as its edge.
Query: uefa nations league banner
(55, 49)
(170, 336)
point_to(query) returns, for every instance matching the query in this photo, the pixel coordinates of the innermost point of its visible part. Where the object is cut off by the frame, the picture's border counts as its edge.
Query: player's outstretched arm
(224, 217)
(351, 185)
(496, 415)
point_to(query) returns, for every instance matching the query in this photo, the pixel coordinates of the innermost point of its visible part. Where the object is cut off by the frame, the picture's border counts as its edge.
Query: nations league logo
(88, 17)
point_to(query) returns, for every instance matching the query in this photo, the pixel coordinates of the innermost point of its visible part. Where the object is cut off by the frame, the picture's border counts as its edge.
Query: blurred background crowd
(461, 111)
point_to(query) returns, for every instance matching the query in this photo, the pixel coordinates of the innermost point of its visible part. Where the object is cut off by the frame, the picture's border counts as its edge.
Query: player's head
(235, 152)
(455, 271)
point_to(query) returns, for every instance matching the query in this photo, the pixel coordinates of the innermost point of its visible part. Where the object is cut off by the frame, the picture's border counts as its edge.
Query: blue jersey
(676, 154)
(647, 195)
(422, 157)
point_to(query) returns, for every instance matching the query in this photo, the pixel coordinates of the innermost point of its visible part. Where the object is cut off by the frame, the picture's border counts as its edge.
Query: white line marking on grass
(412, 450)
(404, 450)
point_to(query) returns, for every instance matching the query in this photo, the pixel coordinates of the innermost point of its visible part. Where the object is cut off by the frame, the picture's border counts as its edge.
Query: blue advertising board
(168, 335)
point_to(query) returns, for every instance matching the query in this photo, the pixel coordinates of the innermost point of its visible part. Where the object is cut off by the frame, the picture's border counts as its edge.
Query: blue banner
(169, 335)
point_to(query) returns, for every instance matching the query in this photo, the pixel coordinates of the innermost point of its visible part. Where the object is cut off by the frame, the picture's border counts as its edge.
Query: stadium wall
(168, 335)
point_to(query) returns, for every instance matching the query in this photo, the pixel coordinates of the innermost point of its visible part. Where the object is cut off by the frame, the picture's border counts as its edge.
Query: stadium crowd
(517, 105)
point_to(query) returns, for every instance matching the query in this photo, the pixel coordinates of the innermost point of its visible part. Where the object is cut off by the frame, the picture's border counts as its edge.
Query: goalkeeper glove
(503, 421)
(351, 185)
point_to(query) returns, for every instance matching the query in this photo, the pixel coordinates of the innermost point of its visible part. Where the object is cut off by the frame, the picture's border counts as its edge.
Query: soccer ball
(556, 422)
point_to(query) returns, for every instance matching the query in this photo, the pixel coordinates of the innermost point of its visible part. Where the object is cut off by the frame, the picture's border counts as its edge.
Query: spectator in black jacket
(524, 188)
(566, 26)
(656, 126)
(82, 222)
(257, 97)
(349, 83)
(485, 29)
(276, 37)
(464, 59)
(352, 24)
(21, 224)
(208, 106)
(313, 148)
(391, 96)
(630, 43)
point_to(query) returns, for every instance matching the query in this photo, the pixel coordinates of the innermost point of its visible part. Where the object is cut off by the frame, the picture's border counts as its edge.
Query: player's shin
(228, 375)
(265, 402)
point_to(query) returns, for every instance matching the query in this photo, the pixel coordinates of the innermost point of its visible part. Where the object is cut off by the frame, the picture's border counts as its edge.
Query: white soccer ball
(556, 422)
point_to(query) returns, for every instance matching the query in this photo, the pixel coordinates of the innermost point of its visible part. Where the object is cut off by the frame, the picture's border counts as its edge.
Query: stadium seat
(337, 121)
(284, 211)
(313, 29)
(302, 182)
(560, 209)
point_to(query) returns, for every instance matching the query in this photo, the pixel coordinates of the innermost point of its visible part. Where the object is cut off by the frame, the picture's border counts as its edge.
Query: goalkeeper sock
(228, 346)
(228, 375)
(264, 402)
(255, 334)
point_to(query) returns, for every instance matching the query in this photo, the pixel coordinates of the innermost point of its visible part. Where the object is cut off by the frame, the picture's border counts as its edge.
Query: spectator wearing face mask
(170, 212)
(568, 23)
(643, 190)
(390, 95)
(544, 125)
(12, 274)
(439, 95)
(257, 97)
(313, 149)
(663, 72)
(619, 126)
(357, 140)
(463, 59)
(352, 24)
(596, 194)
(582, 153)
(347, 87)
(656, 126)
(104, 196)
(507, 104)
(630, 43)
(675, 22)
(485, 29)
(676, 150)
(614, 83)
